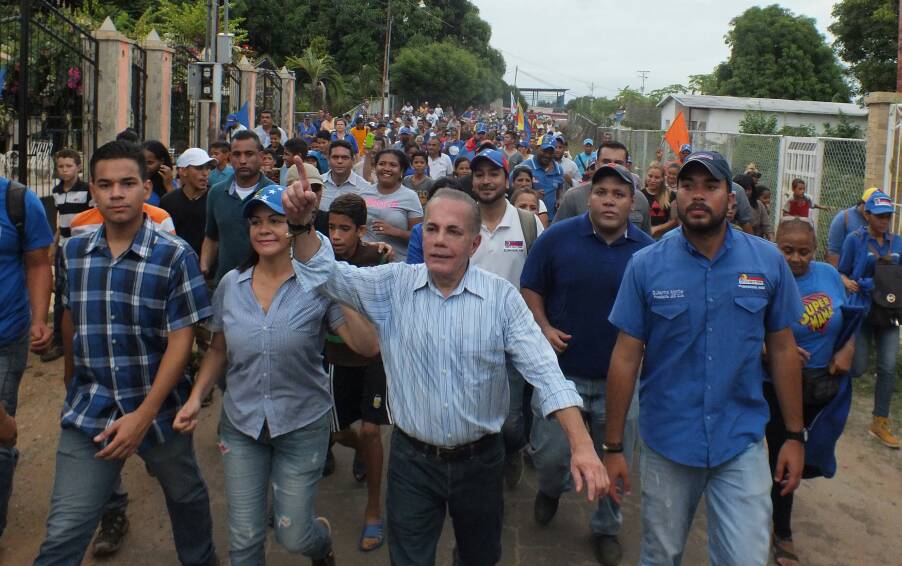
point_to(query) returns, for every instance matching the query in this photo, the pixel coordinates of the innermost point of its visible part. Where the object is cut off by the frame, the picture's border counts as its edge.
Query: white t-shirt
(440, 166)
(571, 168)
(503, 252)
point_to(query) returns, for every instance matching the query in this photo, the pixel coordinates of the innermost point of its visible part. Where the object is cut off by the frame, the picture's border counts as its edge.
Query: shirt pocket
(670, 322)
(749, 312)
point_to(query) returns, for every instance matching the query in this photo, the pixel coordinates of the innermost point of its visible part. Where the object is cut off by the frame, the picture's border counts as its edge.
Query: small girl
(800, 204)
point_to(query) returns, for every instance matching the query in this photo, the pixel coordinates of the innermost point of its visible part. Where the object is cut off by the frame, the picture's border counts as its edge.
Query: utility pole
(644, 75)
(899, 56)
(592, 90)
(517, 69)
(24, 54)
(385, 90)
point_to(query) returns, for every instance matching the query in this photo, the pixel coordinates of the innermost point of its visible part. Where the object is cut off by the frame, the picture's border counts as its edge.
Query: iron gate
(48, 90)
(184, 112)
(137, 108)
(269, 94)
(231, 94)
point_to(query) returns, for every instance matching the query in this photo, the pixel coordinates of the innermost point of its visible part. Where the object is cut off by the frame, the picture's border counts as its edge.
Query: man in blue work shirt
(570, 281)
(701, 305)
(843, 224)
(547, 175)
(582, 160)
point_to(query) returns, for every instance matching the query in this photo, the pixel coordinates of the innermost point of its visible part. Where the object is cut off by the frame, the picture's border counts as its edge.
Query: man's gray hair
(459, 196)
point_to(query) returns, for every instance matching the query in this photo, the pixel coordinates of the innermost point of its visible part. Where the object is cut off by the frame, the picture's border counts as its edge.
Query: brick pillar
(878, 104)
(159, 88)
(248, 90)
(114, 87)
(287, 109)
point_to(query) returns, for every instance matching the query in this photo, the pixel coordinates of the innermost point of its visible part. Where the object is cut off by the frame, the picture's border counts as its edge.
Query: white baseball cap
(195, 157)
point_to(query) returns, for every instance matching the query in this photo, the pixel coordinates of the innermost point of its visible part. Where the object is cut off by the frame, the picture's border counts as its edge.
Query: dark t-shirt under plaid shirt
(123, 310)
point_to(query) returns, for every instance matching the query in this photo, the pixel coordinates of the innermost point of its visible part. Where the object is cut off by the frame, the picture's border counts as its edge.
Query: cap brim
(608, 171)
(719, 175)
(213, 162)
(480, 158)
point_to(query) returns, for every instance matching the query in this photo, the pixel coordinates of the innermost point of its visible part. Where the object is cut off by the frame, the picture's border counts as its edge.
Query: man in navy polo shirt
(570, 281)
(547, 175)
(701, 305)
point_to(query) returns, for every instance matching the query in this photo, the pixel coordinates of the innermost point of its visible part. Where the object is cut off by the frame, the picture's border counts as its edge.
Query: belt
(461, 452)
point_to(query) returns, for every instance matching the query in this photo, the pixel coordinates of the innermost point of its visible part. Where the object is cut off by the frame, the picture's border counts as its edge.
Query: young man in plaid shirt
(132, 296)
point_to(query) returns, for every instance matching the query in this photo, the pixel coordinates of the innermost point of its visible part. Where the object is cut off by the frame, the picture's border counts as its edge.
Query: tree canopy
(867, 33)
(640, 111)
(776, 54)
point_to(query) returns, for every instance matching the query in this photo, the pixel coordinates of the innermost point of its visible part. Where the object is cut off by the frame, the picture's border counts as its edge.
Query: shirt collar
(142, 244)
(587, 229)
(724, 248)
(473, 281)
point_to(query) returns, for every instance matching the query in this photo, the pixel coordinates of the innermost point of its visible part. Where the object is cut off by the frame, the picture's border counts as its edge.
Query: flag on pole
(243, 115)
(678, 134)
(513, 105)
(522, 122)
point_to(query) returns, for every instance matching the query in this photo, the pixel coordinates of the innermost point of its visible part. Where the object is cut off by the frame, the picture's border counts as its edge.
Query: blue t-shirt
(415, 245)
(578, 276)
(15, 309)
(822, 294)
(703, 323)
(843, 224)
(217, 176)
(549, 182)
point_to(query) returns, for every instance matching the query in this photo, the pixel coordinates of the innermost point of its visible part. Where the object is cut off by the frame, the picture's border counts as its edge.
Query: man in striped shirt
(446, 330)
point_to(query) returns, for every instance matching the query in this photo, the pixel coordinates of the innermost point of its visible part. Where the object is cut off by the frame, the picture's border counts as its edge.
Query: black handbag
(818, 386)
(886, 309)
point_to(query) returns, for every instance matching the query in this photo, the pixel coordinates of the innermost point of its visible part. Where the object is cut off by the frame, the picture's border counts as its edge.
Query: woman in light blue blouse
(268, 338)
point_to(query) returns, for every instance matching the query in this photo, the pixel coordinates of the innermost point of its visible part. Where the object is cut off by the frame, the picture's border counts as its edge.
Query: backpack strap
(845, 221)
(528, 224)
(15, 207)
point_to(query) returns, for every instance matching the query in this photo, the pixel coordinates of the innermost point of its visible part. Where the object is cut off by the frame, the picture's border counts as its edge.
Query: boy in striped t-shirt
(70, 197)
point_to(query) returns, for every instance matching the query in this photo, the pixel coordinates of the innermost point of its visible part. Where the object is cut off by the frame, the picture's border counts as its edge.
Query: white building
(723, 113)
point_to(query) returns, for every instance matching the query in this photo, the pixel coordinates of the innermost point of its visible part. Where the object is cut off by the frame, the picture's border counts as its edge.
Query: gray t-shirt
(576, 202)
(396, 208)
(743, 207)
(421, 188)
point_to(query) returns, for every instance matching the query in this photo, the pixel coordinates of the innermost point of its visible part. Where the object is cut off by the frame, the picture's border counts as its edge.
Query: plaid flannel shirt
(123, 310)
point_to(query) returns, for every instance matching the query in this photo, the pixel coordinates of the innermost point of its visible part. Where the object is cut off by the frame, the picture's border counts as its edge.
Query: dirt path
(854, 518)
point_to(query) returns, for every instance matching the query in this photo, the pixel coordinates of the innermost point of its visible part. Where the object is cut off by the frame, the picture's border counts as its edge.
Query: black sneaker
(359, 468)
(113, 527)
(545, 508)
(513, 469)
(55, 352)
(607, 550)
(327, 561)
(329, 466)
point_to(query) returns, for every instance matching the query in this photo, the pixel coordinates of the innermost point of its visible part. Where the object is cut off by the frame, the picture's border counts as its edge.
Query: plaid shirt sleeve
(63, 276)
(188, 301)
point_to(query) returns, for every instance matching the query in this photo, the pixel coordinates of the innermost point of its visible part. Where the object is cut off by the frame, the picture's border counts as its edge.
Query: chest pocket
(670, 321)
(750, 316)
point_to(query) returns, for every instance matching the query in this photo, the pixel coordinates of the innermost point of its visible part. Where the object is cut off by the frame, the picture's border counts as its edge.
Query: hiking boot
(513, 469)
(545, 508)
(113, 527)
(607, 550)
(882, 431)
(55, 352)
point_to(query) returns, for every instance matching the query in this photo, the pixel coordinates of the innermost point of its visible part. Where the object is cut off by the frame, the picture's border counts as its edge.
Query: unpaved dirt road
(852, 519)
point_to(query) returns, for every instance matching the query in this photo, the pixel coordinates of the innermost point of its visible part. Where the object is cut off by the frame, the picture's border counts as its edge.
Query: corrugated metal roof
(765, 104)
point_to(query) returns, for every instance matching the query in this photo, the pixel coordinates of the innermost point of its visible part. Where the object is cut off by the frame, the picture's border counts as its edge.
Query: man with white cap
(188, 205)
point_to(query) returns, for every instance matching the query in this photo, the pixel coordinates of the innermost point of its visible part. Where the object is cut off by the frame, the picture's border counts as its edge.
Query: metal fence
(832, 168)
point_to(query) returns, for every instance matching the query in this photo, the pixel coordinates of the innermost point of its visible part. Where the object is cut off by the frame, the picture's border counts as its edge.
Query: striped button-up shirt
(445, 357)
(123, 310)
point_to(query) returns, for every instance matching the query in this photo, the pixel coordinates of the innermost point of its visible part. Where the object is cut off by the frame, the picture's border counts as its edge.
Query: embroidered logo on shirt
(756, 282)
(668, 294)
(818, 311)
(513, 245)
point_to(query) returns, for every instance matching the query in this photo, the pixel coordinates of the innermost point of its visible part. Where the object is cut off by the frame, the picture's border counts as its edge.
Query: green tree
(867, 33)
(445, 72)
(843, 129)
(755, 122)
(659, 94)
(702, 83)
(322, 78)
(776, 54)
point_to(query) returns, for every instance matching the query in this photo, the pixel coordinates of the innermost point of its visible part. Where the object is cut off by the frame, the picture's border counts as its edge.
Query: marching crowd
(496, 300)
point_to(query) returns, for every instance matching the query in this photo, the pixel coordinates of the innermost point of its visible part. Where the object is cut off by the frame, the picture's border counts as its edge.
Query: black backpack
(15, 208)
(886, 309)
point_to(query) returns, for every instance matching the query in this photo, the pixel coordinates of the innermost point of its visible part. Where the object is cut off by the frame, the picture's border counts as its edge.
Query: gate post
(248, 90)
(878, 104)
(287, 109)
(159, 88)
(114, 88)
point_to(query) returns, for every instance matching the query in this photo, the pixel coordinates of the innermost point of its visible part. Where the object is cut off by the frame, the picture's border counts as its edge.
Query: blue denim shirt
(275, 369)
(548, 182)
(703, 324)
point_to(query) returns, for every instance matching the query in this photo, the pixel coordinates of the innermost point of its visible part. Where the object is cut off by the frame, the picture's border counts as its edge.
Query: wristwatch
(612, 447)
(801, 436)
(299, 229)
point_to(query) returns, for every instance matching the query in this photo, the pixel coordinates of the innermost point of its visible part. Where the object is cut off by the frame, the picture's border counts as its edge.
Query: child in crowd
(800, 205)
(268, 165)
(220, 151)
(275, 144)
(419, 181)
(70, 197)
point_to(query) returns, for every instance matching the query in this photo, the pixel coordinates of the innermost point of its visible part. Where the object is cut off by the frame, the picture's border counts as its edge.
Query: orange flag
(677, 134)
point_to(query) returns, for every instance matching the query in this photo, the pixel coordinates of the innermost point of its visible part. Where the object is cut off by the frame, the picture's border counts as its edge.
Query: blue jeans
(83, 485)
(739, 507)
(12, 365)
(887, 344)
(421, 489)
(518, 421)
(551, 451)
(293, 462)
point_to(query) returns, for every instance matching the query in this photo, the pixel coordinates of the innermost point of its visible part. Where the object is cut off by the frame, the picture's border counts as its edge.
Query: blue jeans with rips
(293, 464)
(739, 507)
(886, 342)
(83, 485)
(12, 365)
(551, 451)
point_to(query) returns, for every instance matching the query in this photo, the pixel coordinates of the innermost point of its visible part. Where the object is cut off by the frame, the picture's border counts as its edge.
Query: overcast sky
(607, 42)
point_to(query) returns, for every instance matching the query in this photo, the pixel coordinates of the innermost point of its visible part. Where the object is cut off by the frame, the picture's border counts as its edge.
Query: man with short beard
(341, 179)
(226, 242)
(695, 311)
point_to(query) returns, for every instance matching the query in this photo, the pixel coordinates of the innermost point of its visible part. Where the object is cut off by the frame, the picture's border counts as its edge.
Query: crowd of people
(493, 299)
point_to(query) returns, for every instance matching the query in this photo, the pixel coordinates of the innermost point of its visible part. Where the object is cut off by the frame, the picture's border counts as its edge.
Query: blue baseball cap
(231, 119)
(615, 170)
(685, 147)
(879, 203)
(494, 156)
(710, 160)
(548, 143)
(523, 144)
(270, 195)
(480, 129)
(405, 130)
(588, 141)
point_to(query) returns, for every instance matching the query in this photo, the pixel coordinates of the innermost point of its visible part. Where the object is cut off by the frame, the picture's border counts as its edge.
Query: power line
(644, 75)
